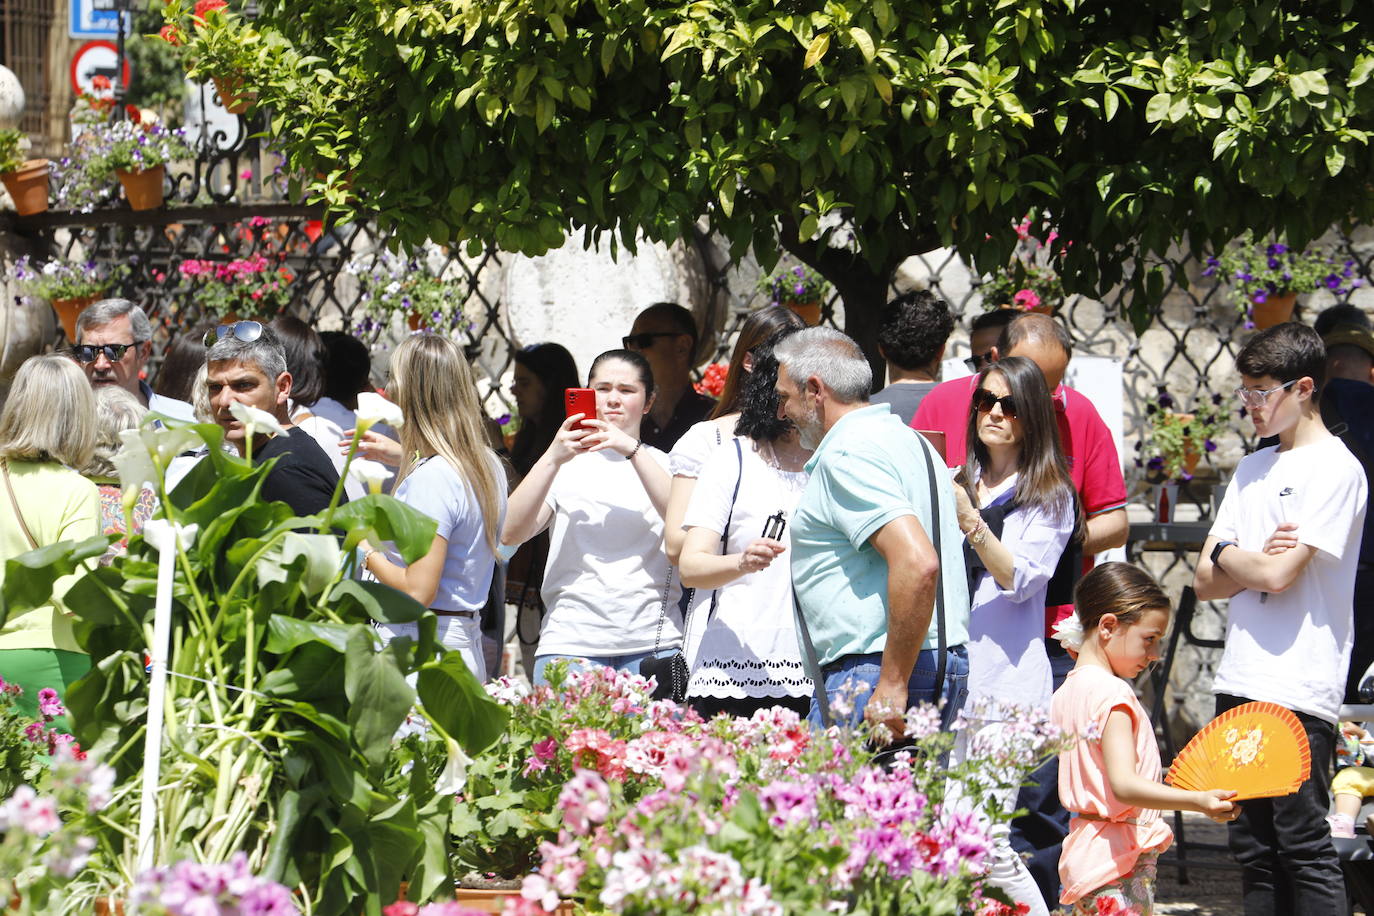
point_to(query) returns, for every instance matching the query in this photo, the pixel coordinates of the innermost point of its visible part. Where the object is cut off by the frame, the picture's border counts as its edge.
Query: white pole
(159, 533)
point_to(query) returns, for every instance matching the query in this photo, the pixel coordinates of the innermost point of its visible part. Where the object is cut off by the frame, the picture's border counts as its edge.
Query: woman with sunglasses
(1018, 511)
(456, 479)
(608, 588)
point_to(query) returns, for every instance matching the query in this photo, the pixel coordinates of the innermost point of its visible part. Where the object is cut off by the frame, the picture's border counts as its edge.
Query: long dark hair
(758, 399)
(1043, 477)
(759, 326)
(556, 370)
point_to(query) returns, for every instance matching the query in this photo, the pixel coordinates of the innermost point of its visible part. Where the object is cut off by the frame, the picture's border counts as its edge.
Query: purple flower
(1208, 445)
(799, 289)
(1277, 248)
(1217, 399)
(1165, 399)
(799, 271)
(1259, 296)
(1155, 463)
(1333, 282)
(1274, 263)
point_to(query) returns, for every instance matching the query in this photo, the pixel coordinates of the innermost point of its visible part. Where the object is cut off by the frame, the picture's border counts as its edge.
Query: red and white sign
(97, 59)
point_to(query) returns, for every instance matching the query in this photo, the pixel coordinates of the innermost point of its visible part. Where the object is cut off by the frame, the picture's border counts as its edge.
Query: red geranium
(170, 34)
(204, 7)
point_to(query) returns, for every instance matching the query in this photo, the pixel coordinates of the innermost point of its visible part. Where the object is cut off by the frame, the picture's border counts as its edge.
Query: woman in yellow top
(47, 428)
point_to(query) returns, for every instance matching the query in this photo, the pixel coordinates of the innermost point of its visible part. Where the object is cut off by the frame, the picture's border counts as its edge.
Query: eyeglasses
(1258, 397)
(246, 331)
(87, 353)
(645, 340)
(984, 401)
(976, 363)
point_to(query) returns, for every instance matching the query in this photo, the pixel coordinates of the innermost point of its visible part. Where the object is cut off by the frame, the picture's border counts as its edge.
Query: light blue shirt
(869, 470)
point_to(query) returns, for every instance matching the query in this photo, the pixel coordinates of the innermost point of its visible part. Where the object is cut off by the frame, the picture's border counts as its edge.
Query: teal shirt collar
(863, 413)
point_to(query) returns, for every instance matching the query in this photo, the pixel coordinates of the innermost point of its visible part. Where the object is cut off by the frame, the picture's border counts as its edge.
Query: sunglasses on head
(645, 340)
(246, 331)
(984, 400)
(88, 353)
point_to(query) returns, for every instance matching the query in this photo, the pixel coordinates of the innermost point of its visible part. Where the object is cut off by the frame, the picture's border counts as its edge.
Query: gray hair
(266, 352)
(830, 356)
(200, 397)
(49, 414)
(115, 411)
(99, 314)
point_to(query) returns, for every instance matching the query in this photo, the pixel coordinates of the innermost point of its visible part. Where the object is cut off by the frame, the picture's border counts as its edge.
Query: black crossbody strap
(940, 635)
(729, 516)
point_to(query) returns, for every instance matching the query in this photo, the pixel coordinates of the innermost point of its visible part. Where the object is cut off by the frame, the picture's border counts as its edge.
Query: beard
(810, 431)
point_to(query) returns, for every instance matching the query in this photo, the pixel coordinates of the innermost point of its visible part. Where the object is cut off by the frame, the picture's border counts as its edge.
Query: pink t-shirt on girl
(1104, 846)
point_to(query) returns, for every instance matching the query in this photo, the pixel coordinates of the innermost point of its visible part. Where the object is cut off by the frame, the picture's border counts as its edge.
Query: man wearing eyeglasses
(665, 334)
(113, 343)
(1284, 548)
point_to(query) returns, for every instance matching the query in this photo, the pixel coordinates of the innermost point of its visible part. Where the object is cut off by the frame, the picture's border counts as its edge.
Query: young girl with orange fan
(1109, 780)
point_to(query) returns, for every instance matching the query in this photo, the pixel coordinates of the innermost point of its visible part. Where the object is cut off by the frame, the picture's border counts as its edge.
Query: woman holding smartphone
(745, 657)
(608, 588)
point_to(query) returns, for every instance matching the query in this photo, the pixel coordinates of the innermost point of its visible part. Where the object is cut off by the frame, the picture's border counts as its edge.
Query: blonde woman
(455, 478)
(47, 428)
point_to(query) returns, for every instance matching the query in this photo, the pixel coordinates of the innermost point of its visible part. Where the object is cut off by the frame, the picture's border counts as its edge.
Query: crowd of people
(803, 541)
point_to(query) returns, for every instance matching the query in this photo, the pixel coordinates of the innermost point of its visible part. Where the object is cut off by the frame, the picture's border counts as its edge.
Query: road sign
(89, 22)
(96, 58)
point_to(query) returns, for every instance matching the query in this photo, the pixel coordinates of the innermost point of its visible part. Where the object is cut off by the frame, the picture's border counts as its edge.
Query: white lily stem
(157, 691)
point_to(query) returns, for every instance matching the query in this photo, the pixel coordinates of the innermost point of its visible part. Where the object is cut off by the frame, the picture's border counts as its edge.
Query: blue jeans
(863, 671)
(628, 663)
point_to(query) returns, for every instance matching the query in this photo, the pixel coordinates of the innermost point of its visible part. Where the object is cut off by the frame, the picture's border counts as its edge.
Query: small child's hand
(1216, 804)
(1353, 730)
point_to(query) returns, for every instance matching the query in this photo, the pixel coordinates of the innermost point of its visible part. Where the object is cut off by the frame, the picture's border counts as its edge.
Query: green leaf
(286, 633)
(1157, 109)
(378, 695)
(388, 519)
(1335, 160)
(323, 561)
(1110, 102)
(559, 27)
(819, 45)
(1359, 74)
(1259, 75)
(375, 601)
(30, 577)
(864, 41)
(458, 705)
(727, 195)
(1207, 105)
(884, 87)
(850, 138)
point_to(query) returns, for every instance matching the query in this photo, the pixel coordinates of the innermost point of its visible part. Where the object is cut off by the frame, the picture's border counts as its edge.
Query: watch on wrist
(1217, 549)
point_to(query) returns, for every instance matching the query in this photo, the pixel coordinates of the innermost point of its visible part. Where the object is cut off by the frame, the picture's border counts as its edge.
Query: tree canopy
(918, 123)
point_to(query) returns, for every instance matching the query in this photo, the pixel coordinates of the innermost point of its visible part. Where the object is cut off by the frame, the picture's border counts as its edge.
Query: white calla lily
(368, 473)
(453, 780)
(373, 408)
(160, 531)
(135, 463)
(256, 421)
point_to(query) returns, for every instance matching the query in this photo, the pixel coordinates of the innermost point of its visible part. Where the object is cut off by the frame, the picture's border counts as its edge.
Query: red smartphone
(583, 401)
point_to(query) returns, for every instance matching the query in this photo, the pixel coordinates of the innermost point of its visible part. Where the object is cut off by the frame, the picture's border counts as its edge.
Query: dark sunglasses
(87, 353)
(645, 340)
(246, 331)
(983, 401)
(976, 363)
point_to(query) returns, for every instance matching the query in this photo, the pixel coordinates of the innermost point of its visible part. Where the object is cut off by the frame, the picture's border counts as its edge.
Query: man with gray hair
(246, 365)
(113, 342)
(870, 549)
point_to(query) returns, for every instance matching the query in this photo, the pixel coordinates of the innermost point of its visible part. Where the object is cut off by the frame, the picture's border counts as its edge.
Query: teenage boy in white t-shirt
(1284, 548)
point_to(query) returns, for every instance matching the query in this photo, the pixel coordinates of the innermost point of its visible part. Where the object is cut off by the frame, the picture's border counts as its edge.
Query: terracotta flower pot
(69, 309)
(415, 321)
(143, 189)
(232, 94)
(810, 312)
(28, 187)
(1273, 310)
(494, 901)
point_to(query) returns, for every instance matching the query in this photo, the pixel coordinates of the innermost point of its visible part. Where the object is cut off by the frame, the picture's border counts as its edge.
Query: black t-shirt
(691, 409)
(304, 478)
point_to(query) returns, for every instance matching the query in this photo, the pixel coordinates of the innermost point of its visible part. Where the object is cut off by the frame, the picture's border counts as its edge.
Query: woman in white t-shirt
(1018, 510)
(456, 479)
(742, 638)
(608, 588)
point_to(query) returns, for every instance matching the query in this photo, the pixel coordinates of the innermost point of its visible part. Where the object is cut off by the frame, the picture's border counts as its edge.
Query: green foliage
(797, 285)
(11, 156)
(157, 69)
(282, 709)
(1178, 439)
(923, 123)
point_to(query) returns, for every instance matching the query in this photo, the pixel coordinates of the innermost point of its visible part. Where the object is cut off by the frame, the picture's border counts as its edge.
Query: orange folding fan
(1258, 750)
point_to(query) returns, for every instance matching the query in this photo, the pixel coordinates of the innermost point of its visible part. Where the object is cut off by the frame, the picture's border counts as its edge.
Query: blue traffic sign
(89, 22)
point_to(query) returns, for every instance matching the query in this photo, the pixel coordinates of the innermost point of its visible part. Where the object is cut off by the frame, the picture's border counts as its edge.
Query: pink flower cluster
(227, 889)
(699, 879)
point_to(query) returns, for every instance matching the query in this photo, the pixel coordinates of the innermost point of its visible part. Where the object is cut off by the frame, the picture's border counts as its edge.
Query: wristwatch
(1217, 549)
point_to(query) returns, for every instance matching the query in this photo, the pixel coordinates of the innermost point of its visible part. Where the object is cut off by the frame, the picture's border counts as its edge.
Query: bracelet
(978, 535)
(634, 451)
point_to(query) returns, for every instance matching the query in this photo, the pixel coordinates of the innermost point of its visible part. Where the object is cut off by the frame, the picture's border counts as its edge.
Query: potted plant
(1264, 278)
(68, 286)
(416, 286)
(137, 154)
(255, 286)
(1175, 444)
(219, 45)
(1029, 280)
(798, 288)
(25, 179)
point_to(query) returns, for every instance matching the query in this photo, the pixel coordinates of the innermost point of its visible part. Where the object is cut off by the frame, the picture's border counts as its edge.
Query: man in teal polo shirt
(864, 566)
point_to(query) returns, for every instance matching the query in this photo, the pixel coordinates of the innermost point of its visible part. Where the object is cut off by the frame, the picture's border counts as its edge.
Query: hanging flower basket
(232, 94)
(143, 189)
(68, 310)
(810, 312)
(28, 187)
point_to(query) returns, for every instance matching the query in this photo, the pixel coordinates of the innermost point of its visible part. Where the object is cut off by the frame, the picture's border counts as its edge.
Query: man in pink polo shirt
(1096, 471)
